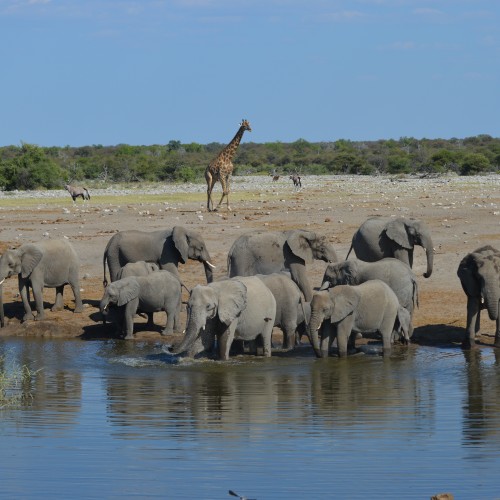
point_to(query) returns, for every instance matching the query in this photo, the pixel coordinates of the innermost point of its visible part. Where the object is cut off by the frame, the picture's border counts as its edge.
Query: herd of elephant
(267, 286)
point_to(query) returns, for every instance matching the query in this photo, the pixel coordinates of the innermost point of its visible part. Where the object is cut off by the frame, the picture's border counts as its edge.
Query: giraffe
(222, 167)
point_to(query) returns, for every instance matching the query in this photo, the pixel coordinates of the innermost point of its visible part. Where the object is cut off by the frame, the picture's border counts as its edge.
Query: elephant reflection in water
(481, 410)
(360, 391)
(208, 397)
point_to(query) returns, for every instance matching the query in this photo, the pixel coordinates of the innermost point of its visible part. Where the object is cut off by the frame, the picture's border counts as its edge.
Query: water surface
(113, 419)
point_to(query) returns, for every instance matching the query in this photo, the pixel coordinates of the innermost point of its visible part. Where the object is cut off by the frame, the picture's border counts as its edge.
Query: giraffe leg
(224, 181)
(210, 185)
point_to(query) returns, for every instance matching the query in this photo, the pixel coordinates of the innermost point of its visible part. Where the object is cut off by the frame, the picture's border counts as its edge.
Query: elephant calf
(159, 291)
(345, 309)
(45, 264)
(393, 272)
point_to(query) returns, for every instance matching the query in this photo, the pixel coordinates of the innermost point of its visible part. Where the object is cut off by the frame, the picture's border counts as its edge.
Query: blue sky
(82, 72)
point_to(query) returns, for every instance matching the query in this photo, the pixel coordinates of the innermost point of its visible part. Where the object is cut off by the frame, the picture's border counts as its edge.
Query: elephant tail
(415, 294)
(350, 249)
(104, 259)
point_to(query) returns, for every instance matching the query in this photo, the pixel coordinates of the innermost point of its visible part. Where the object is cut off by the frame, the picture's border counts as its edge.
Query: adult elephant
(380, 237)
(166, 248)
(48, 263)
(393, 272)
(479, 273)
(292, 313)
(237, 308)
(267, 252)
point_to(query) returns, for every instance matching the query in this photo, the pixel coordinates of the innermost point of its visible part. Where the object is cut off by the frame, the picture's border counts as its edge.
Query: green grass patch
(16, 384)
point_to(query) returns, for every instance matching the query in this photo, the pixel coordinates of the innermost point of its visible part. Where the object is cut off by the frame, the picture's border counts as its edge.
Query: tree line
(29, 166)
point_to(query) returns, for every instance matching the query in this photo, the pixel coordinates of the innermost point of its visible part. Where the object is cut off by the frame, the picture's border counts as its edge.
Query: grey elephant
(237, 308)
(139, 268)
(166, 248)
(479, 273)
(292, 312)
(158, 291)
(346, 309)
(266, 252)
(45, 264)
(391, 271)
(380, 237)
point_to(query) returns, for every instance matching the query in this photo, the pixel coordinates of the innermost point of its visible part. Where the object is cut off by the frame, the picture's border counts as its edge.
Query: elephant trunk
(2, 314)
(209, 270)
(491, 296)
(104, 308)
(314, 325)
(427, 244)
(187, 343)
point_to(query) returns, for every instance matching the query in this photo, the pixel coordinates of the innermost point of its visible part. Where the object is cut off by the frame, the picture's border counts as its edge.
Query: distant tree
(474, 163)
(31, 169)
(399, 163)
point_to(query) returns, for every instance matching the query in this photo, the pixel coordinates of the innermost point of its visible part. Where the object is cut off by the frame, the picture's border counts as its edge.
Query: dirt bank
(463, 213)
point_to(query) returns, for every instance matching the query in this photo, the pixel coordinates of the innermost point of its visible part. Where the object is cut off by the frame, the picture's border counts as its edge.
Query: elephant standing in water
(267, 252)
(48, 263)
(380, 237)
(345, 309)
(292, 312)
(393, 272)
(237, 308)
(479, 273)
(166, 248)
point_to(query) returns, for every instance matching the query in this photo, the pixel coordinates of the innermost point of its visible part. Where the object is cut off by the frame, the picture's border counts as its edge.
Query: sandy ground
(463, 214)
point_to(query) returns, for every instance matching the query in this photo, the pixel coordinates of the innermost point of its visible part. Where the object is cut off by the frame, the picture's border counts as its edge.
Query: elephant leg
(386, 341)
(59, 303)
(177, 319)
(267, 338)
(326, 340)
(129, 313)
(225, 341)
(75, 287)
(344, 330)
(24, 291)
(497, 333)
(289, 336)
(38, 295)
(169, 327)
(473, 321)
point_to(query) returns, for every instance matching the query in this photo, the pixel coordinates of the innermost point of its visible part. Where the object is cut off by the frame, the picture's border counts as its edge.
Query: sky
(85, 72)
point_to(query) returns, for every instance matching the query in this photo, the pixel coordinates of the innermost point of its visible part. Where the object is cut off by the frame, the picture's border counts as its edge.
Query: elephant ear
(396, 231)
(181, 242)
(129, 289)
(30, 257)
(350, 269)
(345, 300)
(232, 299)
(300, 244)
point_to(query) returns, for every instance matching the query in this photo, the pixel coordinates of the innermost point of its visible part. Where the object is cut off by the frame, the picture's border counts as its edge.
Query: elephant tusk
(210, 264)
(2, 281)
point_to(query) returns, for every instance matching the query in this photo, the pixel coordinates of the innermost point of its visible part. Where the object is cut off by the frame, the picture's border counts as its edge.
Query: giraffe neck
(231, 148)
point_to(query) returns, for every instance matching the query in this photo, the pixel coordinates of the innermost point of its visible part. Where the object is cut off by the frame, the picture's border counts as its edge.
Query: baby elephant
(159, 291)
(139, 268)
(345, 309)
